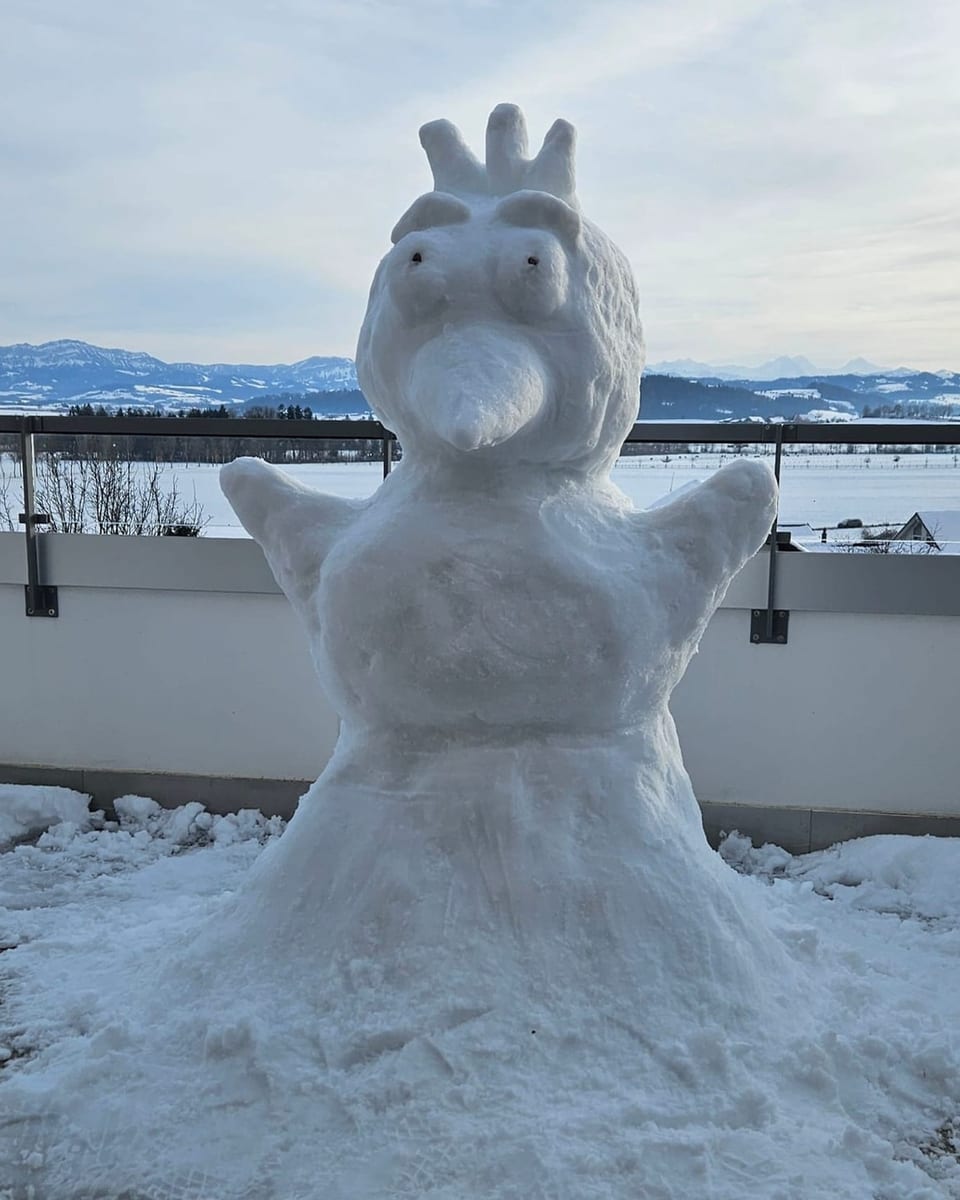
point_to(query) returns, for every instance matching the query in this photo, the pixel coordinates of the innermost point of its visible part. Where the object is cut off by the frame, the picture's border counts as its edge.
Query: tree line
(213, 449)
(915, 410)
(95, 483)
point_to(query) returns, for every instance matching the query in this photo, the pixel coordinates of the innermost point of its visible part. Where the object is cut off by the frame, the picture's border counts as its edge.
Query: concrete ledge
(798, 830)
(921, 585)
(900, 584)
(786, 827)
(142, 563)
(45, 777)
(828, 827)
(219, 794)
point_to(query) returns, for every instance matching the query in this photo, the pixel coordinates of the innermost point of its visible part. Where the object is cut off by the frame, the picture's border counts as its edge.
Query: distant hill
(856, 394)
(664, 398)
(688, 367)
(55, 375)
(794, 396)
(784, 367)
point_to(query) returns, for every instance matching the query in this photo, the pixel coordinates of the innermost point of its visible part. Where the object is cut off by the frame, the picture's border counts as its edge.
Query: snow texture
(492, 955)
(120, 1080)
(28, 811)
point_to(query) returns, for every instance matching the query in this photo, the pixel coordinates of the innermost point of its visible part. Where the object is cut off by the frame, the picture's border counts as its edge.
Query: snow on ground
(28, 810)
(819, 489)
(852, 1091)
(816, 489)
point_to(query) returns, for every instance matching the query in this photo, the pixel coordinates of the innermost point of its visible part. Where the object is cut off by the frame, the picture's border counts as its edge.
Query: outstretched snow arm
(703, 538)
(295, 525)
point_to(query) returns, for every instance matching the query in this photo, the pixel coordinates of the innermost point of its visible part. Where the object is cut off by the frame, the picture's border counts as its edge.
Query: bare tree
(885, 541)
(103, 493)
(9, 496)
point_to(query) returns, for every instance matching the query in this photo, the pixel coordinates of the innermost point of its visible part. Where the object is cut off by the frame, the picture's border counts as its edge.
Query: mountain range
(56, 375)
(784, 367)
(71, 372)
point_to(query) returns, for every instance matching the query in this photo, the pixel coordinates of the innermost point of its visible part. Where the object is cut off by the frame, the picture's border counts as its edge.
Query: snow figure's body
(505, 842)
(498, 628)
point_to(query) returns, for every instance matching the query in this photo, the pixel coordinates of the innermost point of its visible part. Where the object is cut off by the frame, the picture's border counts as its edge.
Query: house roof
(943, 525)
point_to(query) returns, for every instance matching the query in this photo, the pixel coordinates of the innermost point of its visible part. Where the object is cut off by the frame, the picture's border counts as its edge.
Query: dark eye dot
(533, 260)
(418, 257)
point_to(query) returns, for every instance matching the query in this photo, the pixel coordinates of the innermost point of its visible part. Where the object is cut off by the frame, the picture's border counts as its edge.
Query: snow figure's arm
(699, 541)
(295, 525)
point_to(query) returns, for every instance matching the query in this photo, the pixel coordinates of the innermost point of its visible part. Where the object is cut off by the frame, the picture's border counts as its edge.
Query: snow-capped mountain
(55, 375)
(785, 367)
(862, 366)
(66, 372)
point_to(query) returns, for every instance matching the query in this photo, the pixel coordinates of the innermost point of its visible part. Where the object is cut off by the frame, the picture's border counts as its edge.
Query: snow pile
(26, 811)
(913, 877)
(80, 909)
(191, 824)
(115, 1051)
(89, 849)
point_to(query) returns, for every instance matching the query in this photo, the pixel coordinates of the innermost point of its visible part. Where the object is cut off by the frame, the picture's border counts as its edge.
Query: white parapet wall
(172, 655)
(178, 659)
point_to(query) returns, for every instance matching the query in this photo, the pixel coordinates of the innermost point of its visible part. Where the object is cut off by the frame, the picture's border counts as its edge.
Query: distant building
(939, 528)
(797, 536)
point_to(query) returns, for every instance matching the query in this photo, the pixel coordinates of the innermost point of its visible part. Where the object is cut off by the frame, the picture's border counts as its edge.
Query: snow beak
(476, 387)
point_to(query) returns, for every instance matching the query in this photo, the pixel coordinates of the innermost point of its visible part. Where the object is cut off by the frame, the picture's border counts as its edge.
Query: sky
(215, 180)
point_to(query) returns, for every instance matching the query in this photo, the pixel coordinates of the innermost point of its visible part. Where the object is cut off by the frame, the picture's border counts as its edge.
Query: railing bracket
(41, 600)
(764, 631)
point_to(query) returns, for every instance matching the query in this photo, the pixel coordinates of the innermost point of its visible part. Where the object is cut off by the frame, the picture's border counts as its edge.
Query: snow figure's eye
(531, 274)
(417, 277)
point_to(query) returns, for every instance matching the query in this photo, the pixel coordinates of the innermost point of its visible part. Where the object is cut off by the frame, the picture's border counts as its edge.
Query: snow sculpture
(492, 957)
(505, 833)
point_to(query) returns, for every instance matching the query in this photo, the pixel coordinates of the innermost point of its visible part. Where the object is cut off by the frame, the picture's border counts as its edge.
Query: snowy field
(817, 489)
(852, 1092)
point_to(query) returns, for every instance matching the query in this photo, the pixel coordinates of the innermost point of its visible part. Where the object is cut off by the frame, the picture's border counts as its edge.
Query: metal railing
(768, 626)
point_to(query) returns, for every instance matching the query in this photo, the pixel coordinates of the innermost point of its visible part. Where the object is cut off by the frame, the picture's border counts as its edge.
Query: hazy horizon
(218, 184)
(820, 365)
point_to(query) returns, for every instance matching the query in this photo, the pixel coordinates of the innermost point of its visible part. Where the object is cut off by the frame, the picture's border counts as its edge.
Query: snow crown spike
(456, 169)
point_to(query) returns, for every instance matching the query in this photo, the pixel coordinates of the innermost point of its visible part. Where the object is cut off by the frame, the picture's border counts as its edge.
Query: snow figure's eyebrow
(540, 210)
(435, 208)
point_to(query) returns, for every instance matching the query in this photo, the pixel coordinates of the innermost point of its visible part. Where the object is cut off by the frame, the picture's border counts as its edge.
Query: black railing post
(41, 600)
(770, 625)
(387, 453)
(774, 549)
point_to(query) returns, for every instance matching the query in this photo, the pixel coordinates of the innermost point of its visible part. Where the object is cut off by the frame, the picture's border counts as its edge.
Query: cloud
(226, 174)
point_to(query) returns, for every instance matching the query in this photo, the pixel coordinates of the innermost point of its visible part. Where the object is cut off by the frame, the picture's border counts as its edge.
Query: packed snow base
(132, 1069)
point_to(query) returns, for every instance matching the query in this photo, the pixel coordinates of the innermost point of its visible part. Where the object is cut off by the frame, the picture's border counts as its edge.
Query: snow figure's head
(503, 326)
